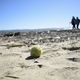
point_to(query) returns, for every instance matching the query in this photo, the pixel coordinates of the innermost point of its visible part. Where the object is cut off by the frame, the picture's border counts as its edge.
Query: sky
(37, 14)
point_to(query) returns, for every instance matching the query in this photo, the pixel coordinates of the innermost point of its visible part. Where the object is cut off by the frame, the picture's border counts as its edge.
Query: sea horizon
(29, 30)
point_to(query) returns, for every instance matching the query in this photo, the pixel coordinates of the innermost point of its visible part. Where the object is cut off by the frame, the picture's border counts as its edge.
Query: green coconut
(36, 51)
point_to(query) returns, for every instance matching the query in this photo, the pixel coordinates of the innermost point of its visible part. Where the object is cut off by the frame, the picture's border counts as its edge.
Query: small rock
(36, 62)
(40, 65)
(0, 53)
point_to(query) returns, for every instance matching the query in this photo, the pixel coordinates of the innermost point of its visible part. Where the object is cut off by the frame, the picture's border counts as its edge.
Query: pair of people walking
(75, 22)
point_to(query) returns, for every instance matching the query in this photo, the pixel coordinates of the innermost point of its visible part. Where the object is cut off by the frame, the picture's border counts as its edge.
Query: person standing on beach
(77, 22)
(73, 22)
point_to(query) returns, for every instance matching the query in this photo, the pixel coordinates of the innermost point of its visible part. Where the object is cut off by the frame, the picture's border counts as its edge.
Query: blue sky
(35, 14)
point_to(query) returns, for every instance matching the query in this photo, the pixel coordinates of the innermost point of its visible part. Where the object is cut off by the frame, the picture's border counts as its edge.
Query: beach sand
(60, 59)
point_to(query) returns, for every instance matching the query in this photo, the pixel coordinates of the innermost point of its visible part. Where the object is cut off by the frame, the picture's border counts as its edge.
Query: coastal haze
(44, 23)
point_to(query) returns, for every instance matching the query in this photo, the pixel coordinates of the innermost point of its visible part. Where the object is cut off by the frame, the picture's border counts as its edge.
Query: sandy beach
(60, 59)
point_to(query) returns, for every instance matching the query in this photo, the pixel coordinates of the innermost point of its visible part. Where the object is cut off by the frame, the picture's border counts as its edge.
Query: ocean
(32, 30)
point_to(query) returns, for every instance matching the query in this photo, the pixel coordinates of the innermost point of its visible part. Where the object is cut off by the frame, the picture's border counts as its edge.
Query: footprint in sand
(74, 59)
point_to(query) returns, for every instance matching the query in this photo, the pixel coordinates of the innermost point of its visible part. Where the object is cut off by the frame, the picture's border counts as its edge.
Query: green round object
(36, 52)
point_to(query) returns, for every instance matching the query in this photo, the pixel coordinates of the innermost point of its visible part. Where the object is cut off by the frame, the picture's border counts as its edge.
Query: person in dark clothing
(73, 22)
(77, 22)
